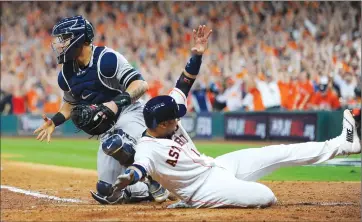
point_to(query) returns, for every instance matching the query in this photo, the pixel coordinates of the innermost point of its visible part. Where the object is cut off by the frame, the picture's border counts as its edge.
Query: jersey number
(174, 152)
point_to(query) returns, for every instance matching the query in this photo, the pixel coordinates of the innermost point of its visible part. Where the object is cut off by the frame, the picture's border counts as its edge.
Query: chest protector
(88, 86)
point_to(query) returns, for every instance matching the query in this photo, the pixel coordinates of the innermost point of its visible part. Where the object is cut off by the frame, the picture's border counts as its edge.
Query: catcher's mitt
(93, 119)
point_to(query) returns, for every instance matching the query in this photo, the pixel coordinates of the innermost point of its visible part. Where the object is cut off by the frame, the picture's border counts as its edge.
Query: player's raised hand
(46, 130)
(200, 40)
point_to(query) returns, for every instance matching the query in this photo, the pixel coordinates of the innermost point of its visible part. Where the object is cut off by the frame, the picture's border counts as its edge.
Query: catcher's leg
(108, 169)
(252, 164)
(223, 189)
(117, 152)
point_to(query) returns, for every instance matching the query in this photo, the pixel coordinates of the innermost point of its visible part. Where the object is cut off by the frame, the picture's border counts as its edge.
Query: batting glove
(124, 180)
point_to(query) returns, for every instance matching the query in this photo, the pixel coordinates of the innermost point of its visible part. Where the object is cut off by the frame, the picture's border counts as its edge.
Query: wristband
(193, 66)
(139, 172)
(123, 99)
(135, 178)
(184, 84)
(58, 119)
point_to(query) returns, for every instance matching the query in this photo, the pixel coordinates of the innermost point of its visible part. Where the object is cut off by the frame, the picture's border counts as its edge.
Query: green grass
(82, 154)
(318, 173)
(71, 152)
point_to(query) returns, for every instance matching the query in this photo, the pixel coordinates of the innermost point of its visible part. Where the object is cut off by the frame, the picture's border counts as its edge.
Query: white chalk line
(39, 195)
(323, 204)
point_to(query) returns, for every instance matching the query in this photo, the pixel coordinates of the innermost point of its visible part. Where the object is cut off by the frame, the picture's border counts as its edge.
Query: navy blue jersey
(107, 75)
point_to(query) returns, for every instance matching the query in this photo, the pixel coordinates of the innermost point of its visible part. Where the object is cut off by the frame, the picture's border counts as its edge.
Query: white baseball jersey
(177, 158)
(227, 180)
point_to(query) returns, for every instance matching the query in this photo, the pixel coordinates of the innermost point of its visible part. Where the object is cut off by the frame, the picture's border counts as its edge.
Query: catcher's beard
(82, 57)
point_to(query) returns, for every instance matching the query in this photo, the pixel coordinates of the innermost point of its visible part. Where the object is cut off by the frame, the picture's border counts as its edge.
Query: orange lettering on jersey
(173, 153)
(174, 147)
(172, 162)
(181, 140)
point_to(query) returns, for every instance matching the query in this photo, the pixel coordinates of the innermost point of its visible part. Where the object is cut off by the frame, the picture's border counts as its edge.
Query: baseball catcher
(101, 96)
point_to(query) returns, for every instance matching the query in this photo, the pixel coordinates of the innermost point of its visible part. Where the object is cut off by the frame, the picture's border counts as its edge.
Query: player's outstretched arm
(189, 74)
(48, 127)
(132, 175)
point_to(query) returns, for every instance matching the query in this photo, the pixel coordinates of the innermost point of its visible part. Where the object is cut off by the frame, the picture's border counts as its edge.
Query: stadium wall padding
(281, 126)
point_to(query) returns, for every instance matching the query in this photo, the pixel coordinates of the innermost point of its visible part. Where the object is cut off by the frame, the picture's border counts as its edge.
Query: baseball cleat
(115, 198)
(351, 144)
(179, 204)
(122, 197)
(161, 196)
(159, 193)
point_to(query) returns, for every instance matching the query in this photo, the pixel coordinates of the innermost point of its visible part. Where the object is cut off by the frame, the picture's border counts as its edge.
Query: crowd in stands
(261, 56)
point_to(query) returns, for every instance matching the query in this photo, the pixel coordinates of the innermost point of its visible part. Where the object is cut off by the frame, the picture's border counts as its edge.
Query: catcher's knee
(120, 146)
(104, 188)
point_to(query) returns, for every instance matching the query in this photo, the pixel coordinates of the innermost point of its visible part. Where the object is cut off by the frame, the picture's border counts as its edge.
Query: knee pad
(104, 188)
(121, 147)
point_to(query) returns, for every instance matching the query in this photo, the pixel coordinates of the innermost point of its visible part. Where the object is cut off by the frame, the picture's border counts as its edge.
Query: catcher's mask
(70, 34)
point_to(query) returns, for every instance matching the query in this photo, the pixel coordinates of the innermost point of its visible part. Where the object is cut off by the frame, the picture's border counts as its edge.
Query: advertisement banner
(198, 126)
(292, 126)
(188, 123)
(251, 126)
(204, 126)
(28, 123)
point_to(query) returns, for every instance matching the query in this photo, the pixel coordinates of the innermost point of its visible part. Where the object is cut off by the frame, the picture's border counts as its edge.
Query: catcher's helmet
(71, 34)
(162, 108)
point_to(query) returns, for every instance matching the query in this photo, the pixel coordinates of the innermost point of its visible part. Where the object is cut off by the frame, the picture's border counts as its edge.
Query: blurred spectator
(288, 90)
(6, 106)
(325, 98)
(282, 41)
(270, 92)
(305, 91)
(200, 99)
(18, 100)
(346, 86)
(252, 100)
(232, 95)
(51, 101)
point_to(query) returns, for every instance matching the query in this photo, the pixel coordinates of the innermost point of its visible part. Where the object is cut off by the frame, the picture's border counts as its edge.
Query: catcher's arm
(48, 127)
(66, 109)
(133, 92)
(115, 66)
(136, 89)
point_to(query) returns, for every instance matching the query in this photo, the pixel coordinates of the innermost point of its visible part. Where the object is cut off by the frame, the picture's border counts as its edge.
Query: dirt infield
(298, 201)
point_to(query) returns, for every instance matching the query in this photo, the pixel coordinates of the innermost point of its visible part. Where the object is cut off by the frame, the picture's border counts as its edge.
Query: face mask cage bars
(61, 43)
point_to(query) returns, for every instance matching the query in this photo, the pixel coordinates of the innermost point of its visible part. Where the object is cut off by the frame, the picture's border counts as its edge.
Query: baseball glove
(93, 119)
